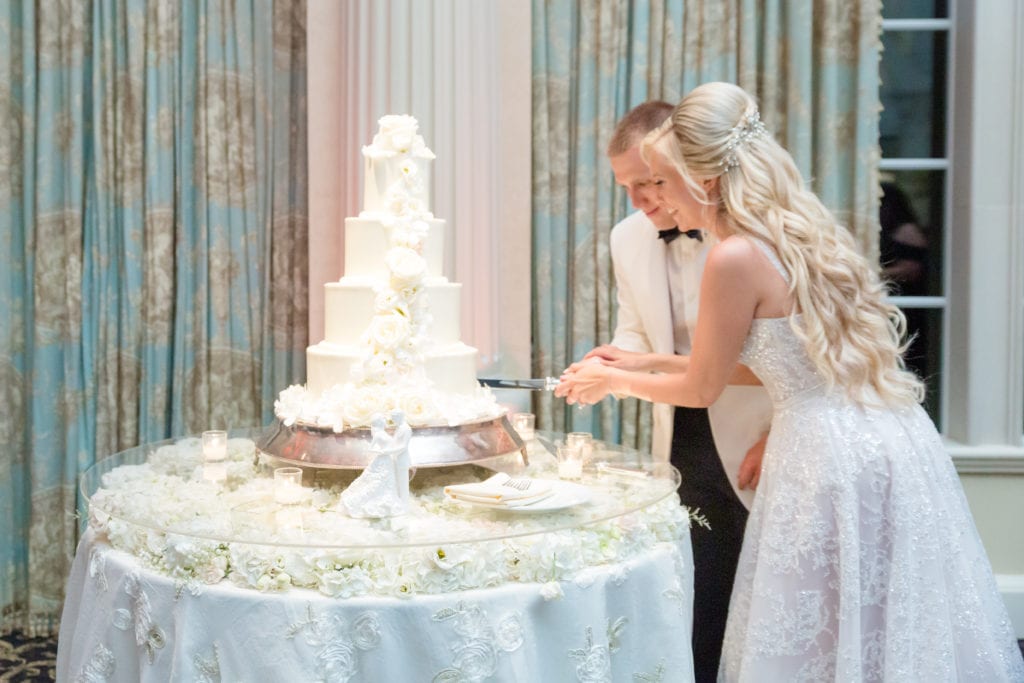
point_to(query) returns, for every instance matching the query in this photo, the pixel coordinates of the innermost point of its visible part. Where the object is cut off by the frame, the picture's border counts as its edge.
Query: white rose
(388, 331)
(213, 571)
(300, 566)
(363, 406)
(397, 133)
(397, 204)
(419, 408)
(551, 590)
(379, 367)
(407, 267)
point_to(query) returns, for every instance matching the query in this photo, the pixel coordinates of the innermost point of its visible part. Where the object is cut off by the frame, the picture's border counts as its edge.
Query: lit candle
(570, 462)
(584, 441)
(524, 423)
(288, 485)
(215, 445)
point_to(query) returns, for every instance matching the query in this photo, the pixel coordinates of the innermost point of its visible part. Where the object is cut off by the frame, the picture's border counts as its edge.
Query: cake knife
(540, 384)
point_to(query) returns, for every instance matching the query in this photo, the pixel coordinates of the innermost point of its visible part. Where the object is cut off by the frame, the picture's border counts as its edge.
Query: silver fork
(518, 484)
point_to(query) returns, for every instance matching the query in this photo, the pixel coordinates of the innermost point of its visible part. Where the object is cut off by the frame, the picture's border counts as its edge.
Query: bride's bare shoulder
(732, 252)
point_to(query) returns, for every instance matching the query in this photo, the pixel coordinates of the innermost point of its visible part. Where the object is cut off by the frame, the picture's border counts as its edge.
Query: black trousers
(716, 550)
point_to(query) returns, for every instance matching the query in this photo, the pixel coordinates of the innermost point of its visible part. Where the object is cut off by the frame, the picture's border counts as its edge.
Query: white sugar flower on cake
(398, 134)
(407, 267)
(388, 331)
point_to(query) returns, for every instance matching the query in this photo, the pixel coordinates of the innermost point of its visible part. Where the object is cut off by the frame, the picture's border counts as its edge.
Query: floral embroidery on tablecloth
(100, 666)
(337, 643)
(657, 677)
(475, 654)
(97, 568)
(594, 660)
(207, 668)
(678, 592)
(147, 634)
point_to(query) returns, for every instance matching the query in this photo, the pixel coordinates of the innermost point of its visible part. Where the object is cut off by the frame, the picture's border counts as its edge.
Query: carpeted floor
(35, 659)
(27, 659)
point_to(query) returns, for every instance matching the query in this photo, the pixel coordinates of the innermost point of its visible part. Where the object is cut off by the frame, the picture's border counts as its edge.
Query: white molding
(987, 459)
(1015, 316)
(918, 301)
(916, 24)
(1011, 587)
(909, 164)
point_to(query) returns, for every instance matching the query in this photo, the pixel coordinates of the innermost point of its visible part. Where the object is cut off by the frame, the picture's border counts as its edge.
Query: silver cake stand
(429, 446)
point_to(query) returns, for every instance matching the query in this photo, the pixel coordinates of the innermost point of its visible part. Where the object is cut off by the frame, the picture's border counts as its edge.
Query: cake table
(184, 576)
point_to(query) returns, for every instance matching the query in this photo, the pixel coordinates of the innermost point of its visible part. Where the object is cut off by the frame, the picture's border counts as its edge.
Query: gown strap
(773, 258)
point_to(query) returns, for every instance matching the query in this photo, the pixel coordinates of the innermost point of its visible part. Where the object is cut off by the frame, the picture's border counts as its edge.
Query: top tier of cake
(396, 170)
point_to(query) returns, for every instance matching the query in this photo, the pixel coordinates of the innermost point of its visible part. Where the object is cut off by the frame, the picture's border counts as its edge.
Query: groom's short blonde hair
(638, 122)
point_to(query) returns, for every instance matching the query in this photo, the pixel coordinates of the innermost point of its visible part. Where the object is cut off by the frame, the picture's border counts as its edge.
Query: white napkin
(497, 492)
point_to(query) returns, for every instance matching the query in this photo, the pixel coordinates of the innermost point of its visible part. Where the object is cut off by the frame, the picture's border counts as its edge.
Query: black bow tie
(672, 233)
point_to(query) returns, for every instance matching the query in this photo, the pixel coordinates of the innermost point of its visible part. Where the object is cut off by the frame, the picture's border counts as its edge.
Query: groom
(717, 449)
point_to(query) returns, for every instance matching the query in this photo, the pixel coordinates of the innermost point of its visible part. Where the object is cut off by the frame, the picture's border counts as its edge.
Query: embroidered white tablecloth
(629, 621)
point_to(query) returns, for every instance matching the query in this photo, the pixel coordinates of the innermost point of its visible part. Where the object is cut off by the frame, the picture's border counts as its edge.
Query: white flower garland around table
(199, 532)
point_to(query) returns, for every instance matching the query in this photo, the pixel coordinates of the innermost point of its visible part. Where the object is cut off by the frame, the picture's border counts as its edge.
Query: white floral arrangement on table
(164, 513)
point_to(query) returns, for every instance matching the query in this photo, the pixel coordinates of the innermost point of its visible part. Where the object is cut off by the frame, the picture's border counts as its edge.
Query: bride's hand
(585, 383)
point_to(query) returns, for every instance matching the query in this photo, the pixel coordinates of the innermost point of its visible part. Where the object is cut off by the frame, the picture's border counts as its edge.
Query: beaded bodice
(778, 357)
(775, 354)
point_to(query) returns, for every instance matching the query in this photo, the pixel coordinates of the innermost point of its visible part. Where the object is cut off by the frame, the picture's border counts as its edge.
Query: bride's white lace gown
(861, 561)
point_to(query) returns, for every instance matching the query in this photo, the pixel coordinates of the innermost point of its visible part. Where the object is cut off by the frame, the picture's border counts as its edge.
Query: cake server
(539, 384)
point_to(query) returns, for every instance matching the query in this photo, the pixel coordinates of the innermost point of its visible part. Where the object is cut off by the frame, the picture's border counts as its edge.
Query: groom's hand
(615, 357)
(750, 469)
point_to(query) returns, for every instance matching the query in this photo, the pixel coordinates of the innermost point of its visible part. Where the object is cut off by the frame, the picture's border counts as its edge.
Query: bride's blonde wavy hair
(851, 334)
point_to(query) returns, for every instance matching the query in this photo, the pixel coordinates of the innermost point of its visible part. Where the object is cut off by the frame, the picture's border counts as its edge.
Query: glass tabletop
(166, 488)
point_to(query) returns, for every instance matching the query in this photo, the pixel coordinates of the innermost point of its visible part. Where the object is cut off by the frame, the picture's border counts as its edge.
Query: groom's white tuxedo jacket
(742, 414)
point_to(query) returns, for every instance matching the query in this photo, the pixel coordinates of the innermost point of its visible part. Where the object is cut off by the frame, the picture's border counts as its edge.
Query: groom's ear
(710, 186)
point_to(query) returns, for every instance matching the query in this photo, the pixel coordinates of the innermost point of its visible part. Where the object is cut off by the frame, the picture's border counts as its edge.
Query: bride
(860, 560)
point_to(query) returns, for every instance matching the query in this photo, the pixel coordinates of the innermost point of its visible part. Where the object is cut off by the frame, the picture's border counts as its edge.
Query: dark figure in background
(903, 252)
(902, 243)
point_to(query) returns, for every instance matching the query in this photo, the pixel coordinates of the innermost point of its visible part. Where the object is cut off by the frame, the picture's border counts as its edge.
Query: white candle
(288, 485)
(570, 462)
(524, 423)
(584, 441)
(570, 469)
(215, 445)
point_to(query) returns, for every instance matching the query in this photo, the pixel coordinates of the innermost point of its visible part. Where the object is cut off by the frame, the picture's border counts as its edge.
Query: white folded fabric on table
(501, 490)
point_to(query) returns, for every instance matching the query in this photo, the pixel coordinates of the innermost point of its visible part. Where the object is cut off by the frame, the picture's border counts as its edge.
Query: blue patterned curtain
(153, 260)
(814, 69)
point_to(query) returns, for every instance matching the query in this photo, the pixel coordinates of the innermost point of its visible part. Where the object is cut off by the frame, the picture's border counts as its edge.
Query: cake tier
(367, 244)
(349, 306)
(403, 176)
(451, 368)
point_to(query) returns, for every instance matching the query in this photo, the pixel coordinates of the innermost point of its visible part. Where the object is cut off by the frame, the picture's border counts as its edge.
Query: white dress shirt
(684, 264)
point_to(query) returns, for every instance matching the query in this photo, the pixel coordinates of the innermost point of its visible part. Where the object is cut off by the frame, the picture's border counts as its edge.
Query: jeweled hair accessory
(749, 128)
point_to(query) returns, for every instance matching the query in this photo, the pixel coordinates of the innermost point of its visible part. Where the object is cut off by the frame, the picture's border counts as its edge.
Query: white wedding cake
(392, 334)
